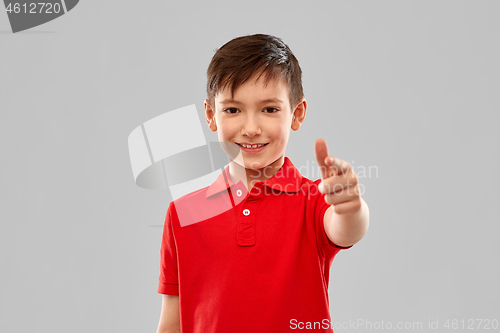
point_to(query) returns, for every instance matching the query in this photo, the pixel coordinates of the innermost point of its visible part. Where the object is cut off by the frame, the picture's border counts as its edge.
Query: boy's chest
(252, 245)
(255, 227)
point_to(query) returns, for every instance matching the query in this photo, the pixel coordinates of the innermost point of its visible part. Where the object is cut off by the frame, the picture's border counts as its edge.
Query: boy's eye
(229, 110)
(274, 110)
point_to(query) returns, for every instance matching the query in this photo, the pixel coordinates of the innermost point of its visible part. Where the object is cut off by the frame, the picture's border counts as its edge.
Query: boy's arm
(347, 228)
(169, 318)
(348, 214)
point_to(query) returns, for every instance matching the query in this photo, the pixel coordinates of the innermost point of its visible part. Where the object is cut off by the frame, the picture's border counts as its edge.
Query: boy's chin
(248, 164)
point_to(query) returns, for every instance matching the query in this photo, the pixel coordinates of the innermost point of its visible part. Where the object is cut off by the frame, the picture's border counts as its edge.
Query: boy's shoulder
(204, 203)
(193, 197)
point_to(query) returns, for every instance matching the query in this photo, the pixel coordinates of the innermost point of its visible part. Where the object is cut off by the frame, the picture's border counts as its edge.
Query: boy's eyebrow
(269, 100)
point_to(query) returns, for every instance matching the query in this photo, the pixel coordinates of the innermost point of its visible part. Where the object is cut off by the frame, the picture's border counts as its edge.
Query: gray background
(410, 87)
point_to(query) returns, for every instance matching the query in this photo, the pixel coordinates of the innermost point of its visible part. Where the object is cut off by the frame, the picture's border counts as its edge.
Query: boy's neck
(250, 176)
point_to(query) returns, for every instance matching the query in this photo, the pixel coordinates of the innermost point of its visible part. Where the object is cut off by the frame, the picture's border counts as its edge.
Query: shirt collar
(287, 179)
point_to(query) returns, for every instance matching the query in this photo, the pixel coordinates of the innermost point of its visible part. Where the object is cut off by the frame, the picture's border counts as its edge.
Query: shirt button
(246, 212)
(238, 193)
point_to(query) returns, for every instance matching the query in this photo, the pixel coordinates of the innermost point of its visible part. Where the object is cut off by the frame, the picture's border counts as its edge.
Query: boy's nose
(251, 127)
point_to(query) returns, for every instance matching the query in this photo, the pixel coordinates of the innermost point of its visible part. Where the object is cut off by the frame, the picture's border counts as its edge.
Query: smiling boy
(262, 262)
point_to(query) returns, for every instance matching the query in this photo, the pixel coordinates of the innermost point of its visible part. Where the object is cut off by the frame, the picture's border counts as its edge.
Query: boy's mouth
(253, 146)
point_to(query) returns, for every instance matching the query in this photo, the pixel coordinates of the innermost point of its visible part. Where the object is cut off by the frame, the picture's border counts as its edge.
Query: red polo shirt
(249, 262)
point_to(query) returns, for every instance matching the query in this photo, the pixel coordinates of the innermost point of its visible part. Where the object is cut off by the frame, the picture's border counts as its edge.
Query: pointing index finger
(339, 166)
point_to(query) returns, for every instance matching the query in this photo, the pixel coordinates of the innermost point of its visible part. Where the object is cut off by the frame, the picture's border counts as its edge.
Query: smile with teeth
(252, 146)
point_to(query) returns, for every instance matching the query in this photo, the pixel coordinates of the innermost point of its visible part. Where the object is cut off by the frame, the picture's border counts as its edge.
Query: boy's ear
(210, 116)
(299, 114)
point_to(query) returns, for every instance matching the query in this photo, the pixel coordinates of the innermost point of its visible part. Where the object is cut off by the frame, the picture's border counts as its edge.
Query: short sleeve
(168, 280)
(320, 209)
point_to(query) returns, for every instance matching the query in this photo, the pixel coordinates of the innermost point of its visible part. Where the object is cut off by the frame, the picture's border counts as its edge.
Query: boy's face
(250, 119)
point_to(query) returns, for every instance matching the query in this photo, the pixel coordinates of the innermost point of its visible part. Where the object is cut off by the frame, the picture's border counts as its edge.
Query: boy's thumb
(321, 152)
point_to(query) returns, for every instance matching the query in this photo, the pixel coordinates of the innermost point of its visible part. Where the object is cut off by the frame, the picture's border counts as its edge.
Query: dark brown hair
(243, 57)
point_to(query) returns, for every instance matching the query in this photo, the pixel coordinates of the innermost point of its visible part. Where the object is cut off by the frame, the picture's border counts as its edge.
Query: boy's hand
(338, 181)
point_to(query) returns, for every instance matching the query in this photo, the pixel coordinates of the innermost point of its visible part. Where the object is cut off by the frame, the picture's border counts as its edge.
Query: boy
(260, 262)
